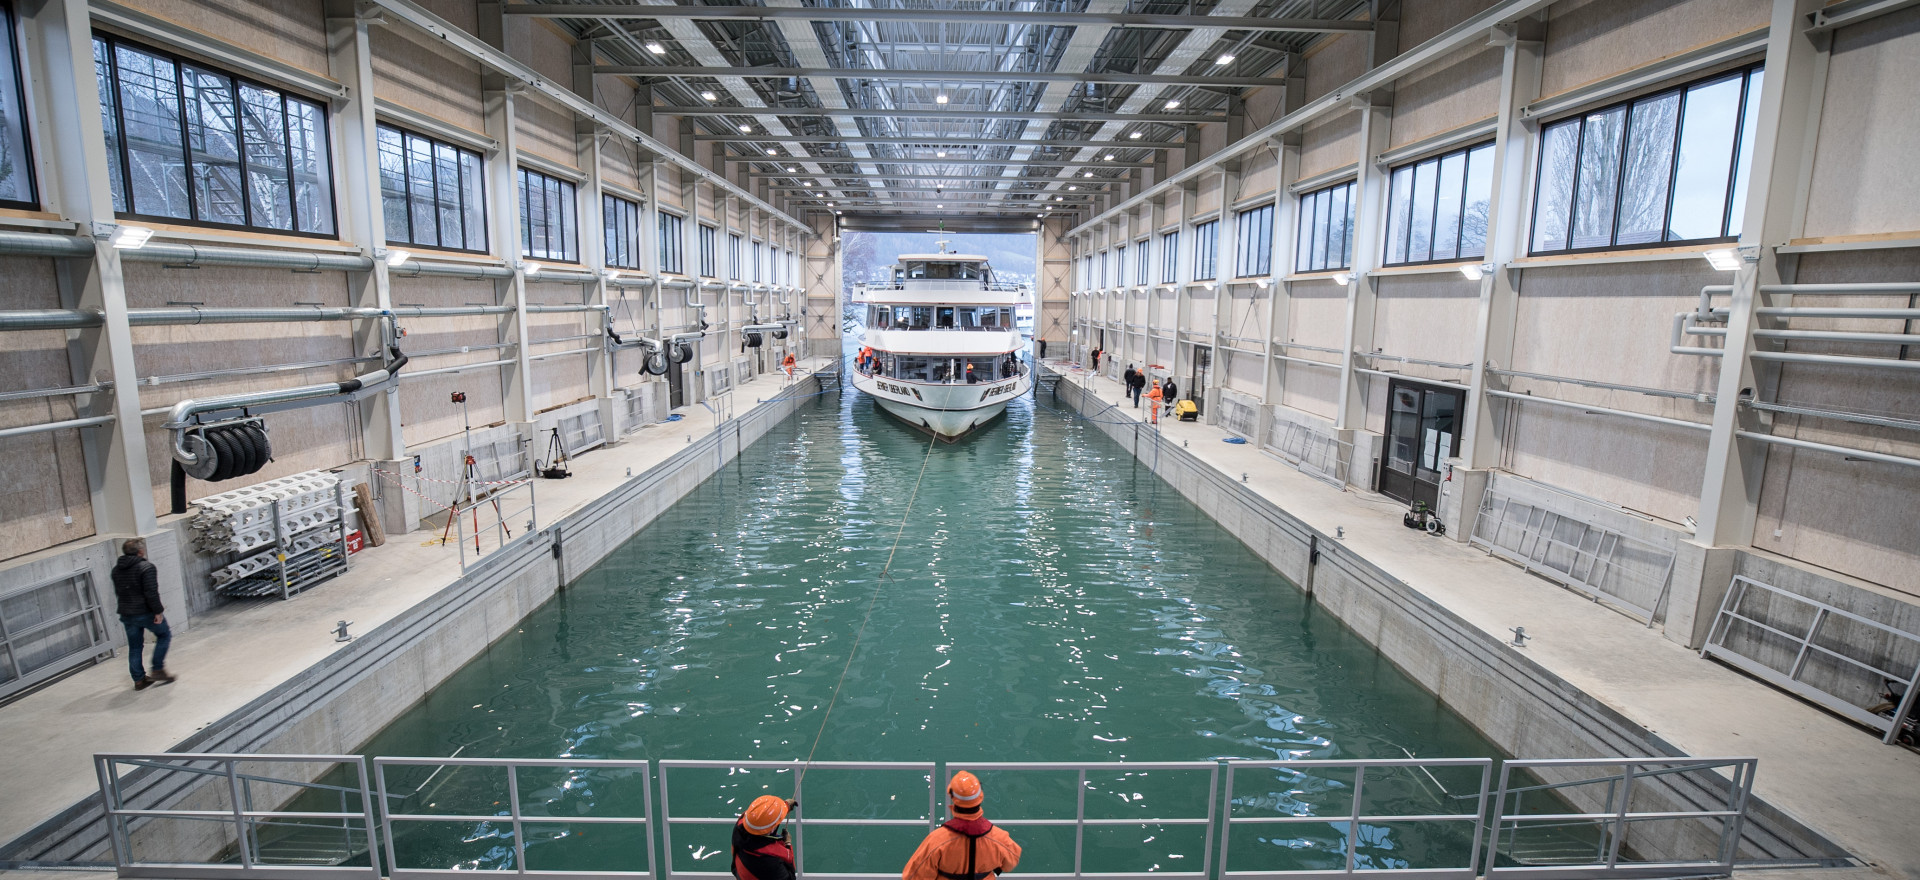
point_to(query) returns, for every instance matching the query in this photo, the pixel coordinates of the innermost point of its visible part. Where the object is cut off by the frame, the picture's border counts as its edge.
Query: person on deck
(1172, 394)
(967, 847)
(760, 850)
(1131, 378)
(1154, 397)
(788, 364)
(136, 584)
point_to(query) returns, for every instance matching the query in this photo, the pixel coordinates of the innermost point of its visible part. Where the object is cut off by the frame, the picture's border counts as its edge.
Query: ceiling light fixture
(791, 169)
(806, 183)
(1173, 105)
(655, 48)
(1109, 157)
(942, 154)
(1723, 259)
(709, 96)
(940, 99)
(1134, 137)
(773, 152)
(745, 128)
(1088, 174)
(1073, 187)
(1224, 60)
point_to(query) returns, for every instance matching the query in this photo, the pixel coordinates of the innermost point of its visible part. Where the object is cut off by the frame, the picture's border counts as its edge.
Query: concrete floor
(239, 651)
(1836, 777)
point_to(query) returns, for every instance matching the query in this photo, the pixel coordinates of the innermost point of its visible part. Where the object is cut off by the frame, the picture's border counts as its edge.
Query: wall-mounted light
(1264, 283)
(613, 274)
(656, 48)
(1723, 259)
(530, 269)
(1208, 285)
(1343, 278)
(130, 238)
(396, 257)
(1476, 271)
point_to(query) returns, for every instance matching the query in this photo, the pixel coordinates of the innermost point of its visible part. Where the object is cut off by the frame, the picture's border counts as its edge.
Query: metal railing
(515, 816)
(1356, 822)
(592, 819)
(1310, 452)
(217, 828)
(1626, 572)
(493, 513)
(1793, 651)
(49, 628)
(1691, 808)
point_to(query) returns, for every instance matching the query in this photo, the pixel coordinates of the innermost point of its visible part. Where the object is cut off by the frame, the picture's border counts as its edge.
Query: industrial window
(1671, 166)
(1325, 242)
(16, 153)
(709, 244)
(1437, 207)
(623, 231)
(759, 257)
(1170, 257)
(192, 144)
(1140, 269)
(1256, 243)
(1120, 265)
(547, 218)
(671, 243)
(735, 254)
(1206, 250)
(432, 193)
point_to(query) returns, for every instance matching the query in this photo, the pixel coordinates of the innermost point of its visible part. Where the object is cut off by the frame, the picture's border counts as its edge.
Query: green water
(1049, 600)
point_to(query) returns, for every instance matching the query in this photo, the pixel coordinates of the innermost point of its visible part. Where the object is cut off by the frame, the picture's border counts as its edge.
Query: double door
(1422, 433)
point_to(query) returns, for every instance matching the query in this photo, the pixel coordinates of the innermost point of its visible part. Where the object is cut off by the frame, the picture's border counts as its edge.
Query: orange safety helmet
(965, 791)
(764, 814)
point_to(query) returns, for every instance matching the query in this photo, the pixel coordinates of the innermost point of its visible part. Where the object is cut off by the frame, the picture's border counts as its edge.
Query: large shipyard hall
(959, 439)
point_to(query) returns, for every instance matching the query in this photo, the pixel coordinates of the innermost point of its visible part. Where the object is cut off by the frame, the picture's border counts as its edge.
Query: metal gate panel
(49, 628)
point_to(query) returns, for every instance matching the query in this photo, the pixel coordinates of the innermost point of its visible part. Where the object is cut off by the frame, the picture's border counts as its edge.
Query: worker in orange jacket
(1154, 397)
(788, 364)
(967, 847)
(760, 850)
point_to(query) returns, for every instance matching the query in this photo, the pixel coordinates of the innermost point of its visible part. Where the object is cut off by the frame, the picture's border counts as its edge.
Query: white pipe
(1567, 404)
(54, 426)
(1827, 447)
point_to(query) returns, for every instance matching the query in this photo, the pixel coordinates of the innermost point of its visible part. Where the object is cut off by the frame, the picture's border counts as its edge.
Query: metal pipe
(1567, 404)
(1410, 360)
(193, 255)
(44, 244)
(24, 430)
(1701, 397)
(1834, 360)
(192, 315)
(555, 354)
(178, 416)
(1836, 415)
(50, 319)
(55, 392)
(562, 276)
(459, 369)
(447, 311)
(539, 309)
(1818, 335)
(1814, 312)
(1847, 451)
(1421, 379)
(1866, 287)
(417, 268)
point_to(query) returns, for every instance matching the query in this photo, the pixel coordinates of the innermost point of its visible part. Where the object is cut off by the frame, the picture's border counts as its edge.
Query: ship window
(944, 318)
(913, 317)
(943, 271)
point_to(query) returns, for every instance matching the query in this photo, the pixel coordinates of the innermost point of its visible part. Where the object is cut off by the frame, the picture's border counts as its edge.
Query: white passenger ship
(945, 349)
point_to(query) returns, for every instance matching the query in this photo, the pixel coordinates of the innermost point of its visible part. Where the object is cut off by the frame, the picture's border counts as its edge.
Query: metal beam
(942, 76)
(1468, 31)
(959, 141)
(885, 160)
(957, 115)
(959, 190)
(950, 16)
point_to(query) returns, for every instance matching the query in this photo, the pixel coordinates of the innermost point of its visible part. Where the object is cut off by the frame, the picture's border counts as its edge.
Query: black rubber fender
(779, 334)
(655, 364)
(248, 459)
(261, 443)
(225, 454)
(680, 352)
(753, 340)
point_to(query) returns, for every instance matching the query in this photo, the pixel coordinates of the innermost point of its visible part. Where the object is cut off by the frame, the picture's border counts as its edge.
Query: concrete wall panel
(1460, 88)
(1430, 317)
(414, 70)
(1870, 121)
(1589, 40)
(295, 30)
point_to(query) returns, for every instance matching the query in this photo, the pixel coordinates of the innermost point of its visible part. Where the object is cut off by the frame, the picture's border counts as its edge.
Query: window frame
(709, 251)
(10, 30)
(671, 229)
(1207, 233)
(1262, 264)
(119, 151)
(1170, 257)
(1743, 73)
(629, 211)
(524, 177)
(1460, 223)
(486, 237)
(736, 257)
(1303, 229)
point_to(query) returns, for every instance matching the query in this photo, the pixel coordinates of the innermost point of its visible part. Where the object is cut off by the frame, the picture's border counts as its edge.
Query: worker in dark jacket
(760, 850)
(136, 584)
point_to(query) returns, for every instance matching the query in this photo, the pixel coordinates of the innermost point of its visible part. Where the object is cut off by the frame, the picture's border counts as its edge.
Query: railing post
(1353, 818)
(1620, 815)
(240, 832)
(1079, 820)
(519, 833)
(110, 801)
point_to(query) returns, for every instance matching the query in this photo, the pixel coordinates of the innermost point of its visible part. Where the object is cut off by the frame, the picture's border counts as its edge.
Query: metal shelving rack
(294, 570)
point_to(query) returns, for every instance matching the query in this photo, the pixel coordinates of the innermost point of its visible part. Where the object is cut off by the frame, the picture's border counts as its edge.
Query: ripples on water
(1049, 600)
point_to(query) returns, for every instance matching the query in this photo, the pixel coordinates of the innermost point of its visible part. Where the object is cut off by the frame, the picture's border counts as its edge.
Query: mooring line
(878, 585)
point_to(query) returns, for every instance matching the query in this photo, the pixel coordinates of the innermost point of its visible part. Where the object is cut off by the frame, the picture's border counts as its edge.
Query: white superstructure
(942, 349)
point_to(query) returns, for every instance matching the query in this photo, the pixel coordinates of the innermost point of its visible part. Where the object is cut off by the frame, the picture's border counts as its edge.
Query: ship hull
(945, 411)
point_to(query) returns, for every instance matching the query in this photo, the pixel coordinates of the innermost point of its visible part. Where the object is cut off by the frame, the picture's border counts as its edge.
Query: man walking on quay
(136, 584)
(967, 847)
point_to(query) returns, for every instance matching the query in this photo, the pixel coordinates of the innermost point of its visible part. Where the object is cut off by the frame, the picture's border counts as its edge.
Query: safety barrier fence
(1627, 572)
(176, 816)
(1826, 654)
(48, 629)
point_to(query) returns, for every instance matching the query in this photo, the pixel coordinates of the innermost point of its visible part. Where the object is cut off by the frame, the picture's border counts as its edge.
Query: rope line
(875, 598)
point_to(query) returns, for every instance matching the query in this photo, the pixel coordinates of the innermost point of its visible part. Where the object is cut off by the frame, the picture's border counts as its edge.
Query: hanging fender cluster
(236, 447)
